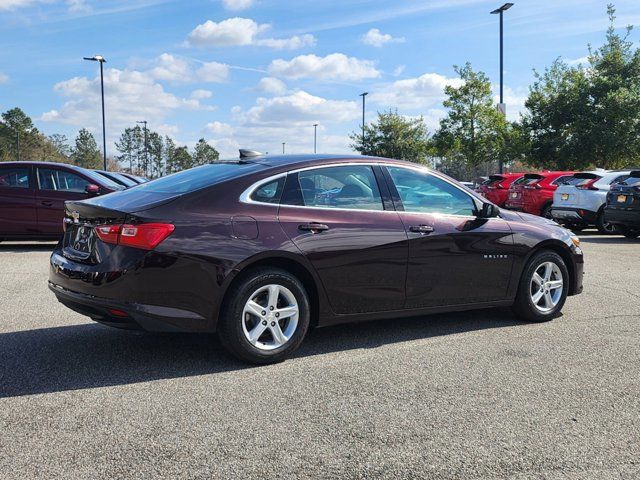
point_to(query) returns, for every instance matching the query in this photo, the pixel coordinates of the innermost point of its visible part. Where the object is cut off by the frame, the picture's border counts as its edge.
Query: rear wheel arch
(288, 263)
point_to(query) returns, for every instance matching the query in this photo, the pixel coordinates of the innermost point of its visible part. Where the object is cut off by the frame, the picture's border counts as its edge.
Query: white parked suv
(579, 202)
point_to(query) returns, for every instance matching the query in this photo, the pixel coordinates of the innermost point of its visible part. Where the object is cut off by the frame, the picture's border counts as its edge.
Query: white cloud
(579, 61)
(213, 72)
(167, 129)
(4, 78)
(129, 96)
(13, 4)
(292, 43)
(172, 69)
(297, 107)
(237, 4)
(238, 31)
(220, 129)
(336, 66)
(78, 6)
(201, 94)
(424, 91)
(398, 70)
(227, 33)
(376, 38)
(272, 85)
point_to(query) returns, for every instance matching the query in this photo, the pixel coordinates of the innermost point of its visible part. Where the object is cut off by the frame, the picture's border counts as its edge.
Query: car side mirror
(488, 210)
(92, 189)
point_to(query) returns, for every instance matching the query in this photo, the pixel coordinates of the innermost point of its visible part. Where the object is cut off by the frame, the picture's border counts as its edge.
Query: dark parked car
(135, 178)
(32, 196)
(260, 249)
(118, 178)
(623, 206)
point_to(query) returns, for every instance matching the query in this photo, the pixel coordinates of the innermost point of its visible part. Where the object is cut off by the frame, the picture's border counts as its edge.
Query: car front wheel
(543, 288)
(265, 316)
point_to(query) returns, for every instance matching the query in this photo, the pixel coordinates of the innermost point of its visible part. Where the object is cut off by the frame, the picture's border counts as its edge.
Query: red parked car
(537, 192)
(32, 196)
(514, 194)
(497, 189)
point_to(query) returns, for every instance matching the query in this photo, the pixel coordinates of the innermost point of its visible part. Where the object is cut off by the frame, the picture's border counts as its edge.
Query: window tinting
(352, 187)
(422, 192)
(198, 177)
(17, 177)
(269, 192)
(54, 179)
(561, 180)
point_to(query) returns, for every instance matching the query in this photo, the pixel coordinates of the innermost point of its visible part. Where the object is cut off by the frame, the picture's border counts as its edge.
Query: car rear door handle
(421, 228)
(313, 227)
(46, 203)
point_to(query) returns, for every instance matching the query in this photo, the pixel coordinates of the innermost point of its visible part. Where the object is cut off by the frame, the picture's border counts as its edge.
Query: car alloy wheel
(546, 287)
(270, 317)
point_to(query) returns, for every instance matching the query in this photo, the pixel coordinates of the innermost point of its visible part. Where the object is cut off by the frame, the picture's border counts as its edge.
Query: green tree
(169, 155)
(181, 160)
(473, 133)
(581, 117)
(85, 153)
(126, 146)
(204, 153)
(156, 147)
(393, 136)
(18, 136)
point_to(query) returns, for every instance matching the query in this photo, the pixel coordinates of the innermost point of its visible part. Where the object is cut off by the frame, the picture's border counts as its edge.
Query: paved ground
(472, 395)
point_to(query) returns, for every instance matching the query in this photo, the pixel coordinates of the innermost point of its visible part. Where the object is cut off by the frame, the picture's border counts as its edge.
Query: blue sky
(256, 73)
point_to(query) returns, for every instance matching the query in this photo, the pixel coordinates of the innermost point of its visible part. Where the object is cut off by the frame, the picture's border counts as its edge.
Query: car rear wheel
(605, 227)
(543, 288)
(265, 316)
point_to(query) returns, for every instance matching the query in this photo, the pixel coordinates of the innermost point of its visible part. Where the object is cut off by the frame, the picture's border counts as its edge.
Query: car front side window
(352, 187)
(423, 192)
(61, 180)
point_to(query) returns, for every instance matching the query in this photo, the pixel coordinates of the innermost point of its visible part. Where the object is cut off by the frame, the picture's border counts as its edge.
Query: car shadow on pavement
(27, 247)
(90, 355)
(609, 239)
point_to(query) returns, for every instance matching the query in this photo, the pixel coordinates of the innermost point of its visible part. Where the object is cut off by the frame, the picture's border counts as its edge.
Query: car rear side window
(423, 192)
(352, 187)
(562, 180)
(16, 177)
(61, 180)
(269, 192)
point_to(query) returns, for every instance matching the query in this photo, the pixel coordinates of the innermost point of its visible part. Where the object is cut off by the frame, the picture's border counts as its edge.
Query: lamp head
(503, 8)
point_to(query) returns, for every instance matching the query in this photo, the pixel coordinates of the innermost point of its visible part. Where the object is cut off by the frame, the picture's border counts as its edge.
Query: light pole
(100, 59)
(363, 95)
(315, 138)
(283, 143)
(146, 149)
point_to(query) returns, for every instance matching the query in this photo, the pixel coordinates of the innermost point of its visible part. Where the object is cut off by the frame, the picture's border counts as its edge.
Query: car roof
(36, 163)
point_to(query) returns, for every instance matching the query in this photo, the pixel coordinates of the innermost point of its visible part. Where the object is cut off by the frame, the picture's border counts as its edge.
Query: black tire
(576, 228)
(230, 323)
(546, 211)
(605, 227)
(523, 305)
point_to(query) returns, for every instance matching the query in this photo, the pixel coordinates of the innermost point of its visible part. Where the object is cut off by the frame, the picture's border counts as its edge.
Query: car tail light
(118, 313)
(588, 185)
(146, 236)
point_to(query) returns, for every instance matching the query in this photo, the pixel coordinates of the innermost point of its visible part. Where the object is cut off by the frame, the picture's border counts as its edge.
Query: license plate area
(565, 196)
(79, 240)
(622, 199)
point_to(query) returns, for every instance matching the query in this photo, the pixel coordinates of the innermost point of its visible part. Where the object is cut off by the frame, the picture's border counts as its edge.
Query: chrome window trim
(245, 196)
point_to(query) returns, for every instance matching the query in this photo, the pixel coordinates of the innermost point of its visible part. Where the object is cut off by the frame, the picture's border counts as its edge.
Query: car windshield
(102, 180)
(198, 177)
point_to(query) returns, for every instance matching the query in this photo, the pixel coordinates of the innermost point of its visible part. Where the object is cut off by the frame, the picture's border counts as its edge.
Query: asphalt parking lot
(467, 395)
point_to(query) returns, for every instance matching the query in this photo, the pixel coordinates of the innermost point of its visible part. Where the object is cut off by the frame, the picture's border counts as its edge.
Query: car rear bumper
(574, 216)
(125, 315)
(628, 218)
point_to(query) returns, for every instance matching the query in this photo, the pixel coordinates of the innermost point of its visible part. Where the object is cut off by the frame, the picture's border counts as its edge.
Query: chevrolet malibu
(263, 248)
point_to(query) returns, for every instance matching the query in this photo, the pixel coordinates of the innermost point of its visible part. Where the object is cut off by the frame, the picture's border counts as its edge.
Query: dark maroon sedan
(262, 248)
(32, 196)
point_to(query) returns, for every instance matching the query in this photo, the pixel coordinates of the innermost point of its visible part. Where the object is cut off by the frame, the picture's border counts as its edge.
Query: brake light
(588, 185)
(146, 236)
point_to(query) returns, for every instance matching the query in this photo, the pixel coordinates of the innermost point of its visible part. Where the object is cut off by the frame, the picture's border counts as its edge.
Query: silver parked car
(579, 202)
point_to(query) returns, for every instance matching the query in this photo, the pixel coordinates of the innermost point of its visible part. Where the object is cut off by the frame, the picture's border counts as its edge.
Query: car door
(336, 216)
(55, 186)
(454, 257)
(17, 201)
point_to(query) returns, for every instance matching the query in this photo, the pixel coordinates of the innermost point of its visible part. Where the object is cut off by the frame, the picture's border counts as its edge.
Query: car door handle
(421, 228)
(313, 227)
(46, 203)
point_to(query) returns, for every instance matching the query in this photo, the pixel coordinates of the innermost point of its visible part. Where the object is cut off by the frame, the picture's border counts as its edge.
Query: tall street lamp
(100, 59)
(501, 106)
(363, 95)
(146, 148)
(315, 138)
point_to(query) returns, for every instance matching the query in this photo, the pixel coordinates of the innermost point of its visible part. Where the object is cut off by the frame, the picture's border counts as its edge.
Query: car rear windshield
(198, 177)
(571, 181)
(102, 180)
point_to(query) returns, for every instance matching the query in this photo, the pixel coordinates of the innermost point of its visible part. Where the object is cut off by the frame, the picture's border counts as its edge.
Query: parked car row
(606, 199)
(32, 195)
